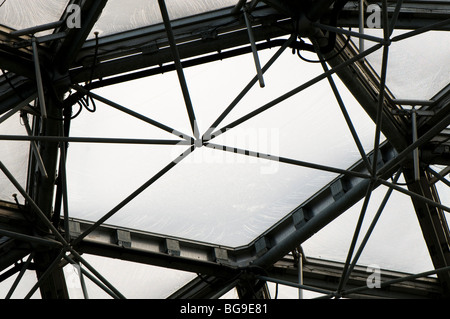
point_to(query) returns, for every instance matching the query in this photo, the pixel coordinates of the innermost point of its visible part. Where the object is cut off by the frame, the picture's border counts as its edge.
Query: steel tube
(416, 150)
(99, 140)
(300, 275)
(34, 147)
(394, 18)
(238, 6)
(439, 176)
(179, 68)
(36, 29)
(361, 25)
(421, 30)
(415, 195)
(254, 50)
(83, 283)
(413, 102)
(17, 108)
(30, 239)
(65, 196)
(348, 32)
(379, 115)
(40, 86)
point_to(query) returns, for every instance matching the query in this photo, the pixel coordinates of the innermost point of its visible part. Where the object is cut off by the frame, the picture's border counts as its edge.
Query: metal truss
(43, 69)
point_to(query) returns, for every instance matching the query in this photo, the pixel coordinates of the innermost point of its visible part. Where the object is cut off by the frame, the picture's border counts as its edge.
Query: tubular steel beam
(179, 68)
(254, 50)
(40, 86)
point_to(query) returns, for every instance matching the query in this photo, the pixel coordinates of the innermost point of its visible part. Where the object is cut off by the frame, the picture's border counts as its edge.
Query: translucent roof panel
(212, 195)
(389, 245)
(117, 17)
(418, 66)
(21, 14)
(153, 282)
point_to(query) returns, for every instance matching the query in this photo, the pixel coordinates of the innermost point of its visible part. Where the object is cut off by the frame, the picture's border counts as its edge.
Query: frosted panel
(396, 242)
(21, 14)
(418, 67)
(120, 15)
(213, 196)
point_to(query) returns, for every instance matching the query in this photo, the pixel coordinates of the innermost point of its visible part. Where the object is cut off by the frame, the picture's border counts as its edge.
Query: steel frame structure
(43, 69)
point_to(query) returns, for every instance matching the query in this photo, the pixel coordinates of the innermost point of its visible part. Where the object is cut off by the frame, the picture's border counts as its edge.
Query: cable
(329, 58)
(84, 101)
(337, 9)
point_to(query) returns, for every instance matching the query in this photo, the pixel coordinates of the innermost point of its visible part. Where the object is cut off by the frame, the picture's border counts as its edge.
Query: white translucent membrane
(120, 15)
(14, 155)
(396, 243)
(21, 14)
(132, 280)
(213, 196)
(418, 67)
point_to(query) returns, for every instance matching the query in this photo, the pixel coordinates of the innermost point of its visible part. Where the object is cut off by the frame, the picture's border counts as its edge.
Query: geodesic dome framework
(246, 143)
